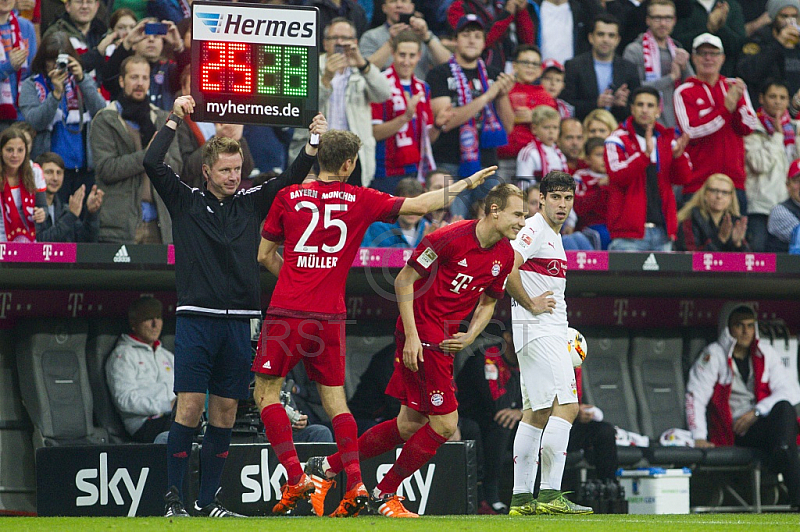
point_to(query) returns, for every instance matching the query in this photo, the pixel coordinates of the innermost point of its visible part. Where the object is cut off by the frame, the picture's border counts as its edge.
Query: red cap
(794, 169)
(552, 63)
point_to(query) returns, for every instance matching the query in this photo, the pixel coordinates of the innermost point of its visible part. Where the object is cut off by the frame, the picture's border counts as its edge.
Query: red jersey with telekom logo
(455, 271)
(545, 268)
(321, 225)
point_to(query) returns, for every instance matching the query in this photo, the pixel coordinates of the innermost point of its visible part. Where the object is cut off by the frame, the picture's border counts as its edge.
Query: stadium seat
(732, 460)
(694, 341)
(168, 336)
(658, 380)
(629, 456)
(17, 479)
(103, 336)
(51, 360)
(607, 379)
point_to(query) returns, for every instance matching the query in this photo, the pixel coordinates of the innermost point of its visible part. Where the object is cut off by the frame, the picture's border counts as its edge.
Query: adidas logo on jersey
(122, 255)
(463, 262)
(651, 264)
(267, 365)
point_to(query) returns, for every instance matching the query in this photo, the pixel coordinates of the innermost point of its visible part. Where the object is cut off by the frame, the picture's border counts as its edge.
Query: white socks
(554, 452)
(526, 457)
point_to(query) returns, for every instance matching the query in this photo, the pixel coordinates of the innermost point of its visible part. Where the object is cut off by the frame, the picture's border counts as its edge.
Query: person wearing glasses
(524, 96)
(710, 221)
(716, 113)
(348, 85)
(660, 61)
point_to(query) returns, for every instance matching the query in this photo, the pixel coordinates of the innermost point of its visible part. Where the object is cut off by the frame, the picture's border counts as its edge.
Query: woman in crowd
(122, 21)
(599, 123)
(59, 101)
(710, 221)
(19, 187)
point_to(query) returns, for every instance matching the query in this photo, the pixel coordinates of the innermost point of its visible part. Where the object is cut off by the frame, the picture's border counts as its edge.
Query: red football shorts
(430, 390)
(320, 344)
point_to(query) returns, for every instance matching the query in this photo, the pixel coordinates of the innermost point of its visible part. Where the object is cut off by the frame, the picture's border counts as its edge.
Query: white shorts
(546, 373)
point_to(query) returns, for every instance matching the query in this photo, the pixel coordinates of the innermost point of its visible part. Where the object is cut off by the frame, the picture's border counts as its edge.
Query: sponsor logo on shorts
(437, 399)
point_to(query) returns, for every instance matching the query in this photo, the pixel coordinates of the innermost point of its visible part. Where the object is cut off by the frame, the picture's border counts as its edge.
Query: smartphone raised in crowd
(405, 18)
(338, 48)
(155, 28)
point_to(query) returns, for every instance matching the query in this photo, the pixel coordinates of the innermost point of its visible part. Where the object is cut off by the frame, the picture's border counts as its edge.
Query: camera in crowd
(62, 62)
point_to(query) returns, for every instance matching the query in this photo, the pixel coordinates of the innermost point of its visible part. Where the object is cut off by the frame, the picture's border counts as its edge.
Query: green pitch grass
(595, 523)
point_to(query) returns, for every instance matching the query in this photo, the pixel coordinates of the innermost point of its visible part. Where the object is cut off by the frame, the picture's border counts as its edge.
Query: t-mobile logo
(460, 282)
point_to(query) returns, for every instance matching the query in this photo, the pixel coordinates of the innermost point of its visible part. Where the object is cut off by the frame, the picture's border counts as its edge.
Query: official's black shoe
(214, 509)
(173, 505)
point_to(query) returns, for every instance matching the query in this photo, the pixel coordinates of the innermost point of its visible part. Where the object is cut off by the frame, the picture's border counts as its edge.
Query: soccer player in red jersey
(321, 224)
(452, 270)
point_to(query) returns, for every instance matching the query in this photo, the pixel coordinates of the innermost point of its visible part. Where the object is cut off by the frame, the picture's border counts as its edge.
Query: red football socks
(278, 429)
(345, 431)
(417, 451)
(379, 439)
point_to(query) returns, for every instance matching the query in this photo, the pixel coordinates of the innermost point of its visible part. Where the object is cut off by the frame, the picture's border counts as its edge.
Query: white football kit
(541, 340)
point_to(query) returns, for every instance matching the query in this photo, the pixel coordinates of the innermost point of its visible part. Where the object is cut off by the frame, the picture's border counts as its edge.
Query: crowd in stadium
(694, 104)
(676, 118)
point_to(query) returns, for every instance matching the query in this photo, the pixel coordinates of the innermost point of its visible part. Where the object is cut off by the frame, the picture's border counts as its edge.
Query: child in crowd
(768, 151)
(591, 194)
(524, 96)
(540, 155)
(553, 82)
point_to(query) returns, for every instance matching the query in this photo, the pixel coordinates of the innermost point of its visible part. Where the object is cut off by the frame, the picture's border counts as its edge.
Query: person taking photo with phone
(155, 41)
(59, 100)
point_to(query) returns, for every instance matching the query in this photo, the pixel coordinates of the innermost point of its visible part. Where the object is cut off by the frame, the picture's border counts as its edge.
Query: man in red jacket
(739, 393)
(643, 161)
(716, 113)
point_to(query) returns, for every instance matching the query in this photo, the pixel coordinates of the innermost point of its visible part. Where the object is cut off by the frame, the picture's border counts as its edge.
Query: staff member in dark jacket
(216, 235)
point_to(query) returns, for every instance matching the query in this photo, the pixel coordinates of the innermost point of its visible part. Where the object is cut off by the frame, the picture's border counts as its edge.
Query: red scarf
(405, 147)
(786, 126)
(543, 157)
(18, 229)
(652, 60)
(8, 110)
(652, 55)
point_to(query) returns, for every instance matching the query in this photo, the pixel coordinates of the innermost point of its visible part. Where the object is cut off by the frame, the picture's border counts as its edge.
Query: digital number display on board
(254, 64)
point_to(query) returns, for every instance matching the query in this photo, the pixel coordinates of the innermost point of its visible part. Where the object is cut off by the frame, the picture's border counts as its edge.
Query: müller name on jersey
(315, 261)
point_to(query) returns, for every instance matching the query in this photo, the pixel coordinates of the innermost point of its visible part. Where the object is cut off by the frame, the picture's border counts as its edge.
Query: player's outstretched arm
(439, 199)
(404, 289)
(480, 318)
(268, 256)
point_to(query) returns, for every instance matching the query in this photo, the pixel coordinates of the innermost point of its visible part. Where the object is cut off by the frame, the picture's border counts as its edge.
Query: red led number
(226, 67)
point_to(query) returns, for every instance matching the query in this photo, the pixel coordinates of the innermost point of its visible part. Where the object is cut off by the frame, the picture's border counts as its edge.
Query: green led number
(295, 71)
(269, 70)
